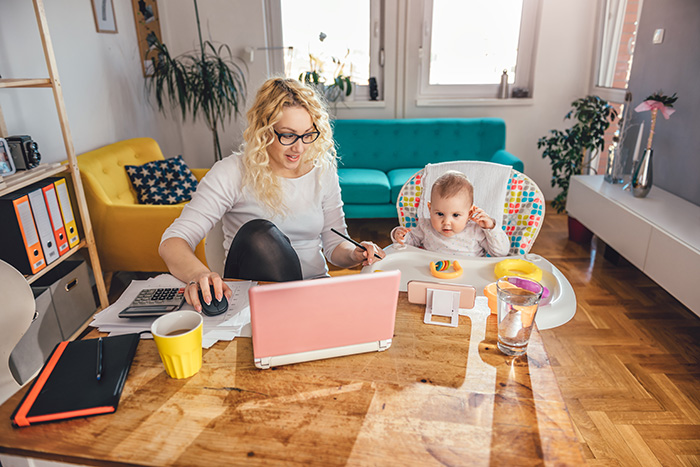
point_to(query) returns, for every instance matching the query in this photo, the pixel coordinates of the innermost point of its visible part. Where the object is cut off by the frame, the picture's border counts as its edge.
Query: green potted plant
(570, 151)
(207, 83)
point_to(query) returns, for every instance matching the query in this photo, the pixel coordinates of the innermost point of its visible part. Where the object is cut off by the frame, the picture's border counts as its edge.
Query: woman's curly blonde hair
(272, 98)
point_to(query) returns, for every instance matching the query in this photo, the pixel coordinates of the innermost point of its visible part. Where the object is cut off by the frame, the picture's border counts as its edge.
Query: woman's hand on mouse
(202, 281)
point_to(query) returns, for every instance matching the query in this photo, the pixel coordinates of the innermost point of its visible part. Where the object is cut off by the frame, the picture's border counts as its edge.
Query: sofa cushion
(369, 211)
(167, 181)
(364, 186)
(397, 178)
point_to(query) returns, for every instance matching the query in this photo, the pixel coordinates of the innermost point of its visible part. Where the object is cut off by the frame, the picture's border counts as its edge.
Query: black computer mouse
(216, 307)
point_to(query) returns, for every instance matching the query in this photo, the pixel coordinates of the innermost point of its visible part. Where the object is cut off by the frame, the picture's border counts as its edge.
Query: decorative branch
(654, 103)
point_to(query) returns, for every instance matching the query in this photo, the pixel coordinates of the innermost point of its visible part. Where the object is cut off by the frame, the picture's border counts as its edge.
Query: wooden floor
(628, 364)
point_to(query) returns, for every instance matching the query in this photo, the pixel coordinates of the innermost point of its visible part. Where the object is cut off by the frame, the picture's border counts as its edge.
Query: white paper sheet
(234, 323)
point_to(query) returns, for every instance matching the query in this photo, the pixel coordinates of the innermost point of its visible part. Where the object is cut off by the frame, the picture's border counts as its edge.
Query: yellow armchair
(127, 233)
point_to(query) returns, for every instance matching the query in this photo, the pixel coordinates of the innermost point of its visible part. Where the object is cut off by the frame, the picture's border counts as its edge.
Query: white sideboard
(659, 234)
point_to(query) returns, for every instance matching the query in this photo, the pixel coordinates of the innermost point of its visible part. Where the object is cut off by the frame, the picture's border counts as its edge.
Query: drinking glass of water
(518, 300)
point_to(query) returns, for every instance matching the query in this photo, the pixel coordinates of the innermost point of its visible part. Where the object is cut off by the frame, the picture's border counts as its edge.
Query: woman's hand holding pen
(368, 253)
(365, 252)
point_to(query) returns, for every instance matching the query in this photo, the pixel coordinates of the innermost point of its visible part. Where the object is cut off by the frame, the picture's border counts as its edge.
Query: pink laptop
(308, 320)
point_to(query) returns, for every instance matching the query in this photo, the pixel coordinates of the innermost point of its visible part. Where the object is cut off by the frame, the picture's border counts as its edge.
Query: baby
(449, 230)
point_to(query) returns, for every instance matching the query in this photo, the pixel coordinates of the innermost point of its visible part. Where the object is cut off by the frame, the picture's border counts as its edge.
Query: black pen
(354, 242)
(99, 359)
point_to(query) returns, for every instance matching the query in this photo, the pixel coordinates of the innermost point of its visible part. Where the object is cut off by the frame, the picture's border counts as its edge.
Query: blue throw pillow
(167, 181)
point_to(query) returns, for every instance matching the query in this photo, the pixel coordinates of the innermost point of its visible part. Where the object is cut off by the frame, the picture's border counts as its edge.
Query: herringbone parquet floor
(628, 364)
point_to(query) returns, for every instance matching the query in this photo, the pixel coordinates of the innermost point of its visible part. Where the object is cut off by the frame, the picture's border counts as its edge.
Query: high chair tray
(414, 264)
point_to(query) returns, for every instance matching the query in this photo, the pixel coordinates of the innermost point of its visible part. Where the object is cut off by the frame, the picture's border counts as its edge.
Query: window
(421, 52)
(616, 40)
(333, 38)
(466, 45)
(618, 22)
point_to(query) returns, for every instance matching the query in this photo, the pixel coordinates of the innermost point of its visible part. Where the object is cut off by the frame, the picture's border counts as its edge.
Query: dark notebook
(68, 387)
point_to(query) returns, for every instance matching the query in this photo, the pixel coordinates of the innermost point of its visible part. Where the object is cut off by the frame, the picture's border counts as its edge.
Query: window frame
(433, 94)
(610, 94)
(275, 64)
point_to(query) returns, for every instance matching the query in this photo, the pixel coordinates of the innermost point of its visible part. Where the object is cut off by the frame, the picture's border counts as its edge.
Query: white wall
(101, 77)
(104, 87)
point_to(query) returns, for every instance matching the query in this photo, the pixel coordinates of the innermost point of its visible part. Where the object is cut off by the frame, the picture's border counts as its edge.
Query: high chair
(523, 206)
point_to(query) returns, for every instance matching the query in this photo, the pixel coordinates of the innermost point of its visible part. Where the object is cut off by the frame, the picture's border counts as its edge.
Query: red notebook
(67, 385)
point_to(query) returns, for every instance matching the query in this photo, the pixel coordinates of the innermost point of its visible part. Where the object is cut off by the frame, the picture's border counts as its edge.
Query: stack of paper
(235, 322)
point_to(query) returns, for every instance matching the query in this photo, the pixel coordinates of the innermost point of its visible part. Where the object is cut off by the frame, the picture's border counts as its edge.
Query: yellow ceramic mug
(178, 336)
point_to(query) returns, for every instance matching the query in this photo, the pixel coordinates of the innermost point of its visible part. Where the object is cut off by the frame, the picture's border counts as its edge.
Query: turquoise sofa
(378, 156)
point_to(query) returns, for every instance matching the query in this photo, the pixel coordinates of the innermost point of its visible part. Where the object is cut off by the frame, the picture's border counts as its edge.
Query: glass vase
(642, 177)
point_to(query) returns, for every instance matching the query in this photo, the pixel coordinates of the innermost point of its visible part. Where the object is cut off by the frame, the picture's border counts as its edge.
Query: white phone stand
(443, 303)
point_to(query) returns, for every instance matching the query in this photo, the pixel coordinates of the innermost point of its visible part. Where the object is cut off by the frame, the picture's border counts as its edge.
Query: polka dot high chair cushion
(523, 209)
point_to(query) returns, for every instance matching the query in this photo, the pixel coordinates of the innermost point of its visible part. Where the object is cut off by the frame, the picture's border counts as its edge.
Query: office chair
(18, 311)
(214, 249)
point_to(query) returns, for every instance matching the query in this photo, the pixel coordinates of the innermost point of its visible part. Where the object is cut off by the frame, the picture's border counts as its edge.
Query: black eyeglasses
(288, 139)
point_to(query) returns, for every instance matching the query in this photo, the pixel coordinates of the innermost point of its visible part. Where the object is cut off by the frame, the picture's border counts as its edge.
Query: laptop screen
(309, 315)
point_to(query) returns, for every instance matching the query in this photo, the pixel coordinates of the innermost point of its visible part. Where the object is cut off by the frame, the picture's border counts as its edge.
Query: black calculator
(154, 302)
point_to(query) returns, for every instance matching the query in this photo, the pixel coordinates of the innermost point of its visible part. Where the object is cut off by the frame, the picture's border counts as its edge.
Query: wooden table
(439, 395)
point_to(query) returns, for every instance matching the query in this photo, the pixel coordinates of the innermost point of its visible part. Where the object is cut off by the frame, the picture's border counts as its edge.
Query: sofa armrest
(199, 173)
(504, 157)
(92, 185)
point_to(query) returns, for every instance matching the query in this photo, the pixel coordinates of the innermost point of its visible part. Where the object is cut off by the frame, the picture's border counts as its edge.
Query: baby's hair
(452, 183)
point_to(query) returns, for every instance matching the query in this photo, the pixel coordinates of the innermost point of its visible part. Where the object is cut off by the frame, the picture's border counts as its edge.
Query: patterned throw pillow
(167, 181)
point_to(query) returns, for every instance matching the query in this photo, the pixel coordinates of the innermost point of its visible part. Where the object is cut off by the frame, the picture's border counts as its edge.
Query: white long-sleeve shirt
(472, 241)
(313, 206)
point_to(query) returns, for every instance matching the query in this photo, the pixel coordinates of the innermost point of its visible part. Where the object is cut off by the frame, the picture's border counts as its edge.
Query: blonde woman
(278, 200)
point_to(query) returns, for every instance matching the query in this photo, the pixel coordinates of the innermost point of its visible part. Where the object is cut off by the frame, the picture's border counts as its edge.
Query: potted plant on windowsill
(570, 151)
(341, 85)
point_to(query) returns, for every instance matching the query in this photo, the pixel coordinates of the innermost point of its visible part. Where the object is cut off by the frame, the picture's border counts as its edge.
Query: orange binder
(19, 239)
(66, 211)
(56, 220)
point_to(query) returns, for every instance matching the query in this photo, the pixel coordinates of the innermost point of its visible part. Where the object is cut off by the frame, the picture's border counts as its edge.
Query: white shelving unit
(659, 234)
(69, 168)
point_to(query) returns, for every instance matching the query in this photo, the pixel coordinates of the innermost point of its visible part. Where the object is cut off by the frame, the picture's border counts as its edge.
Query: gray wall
(673, 66)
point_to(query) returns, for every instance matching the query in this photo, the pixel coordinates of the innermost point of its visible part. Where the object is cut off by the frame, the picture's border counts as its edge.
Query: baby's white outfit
(472, 241)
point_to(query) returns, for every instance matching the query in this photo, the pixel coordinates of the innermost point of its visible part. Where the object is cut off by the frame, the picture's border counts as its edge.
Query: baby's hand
(398, 235)
(481, 218)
